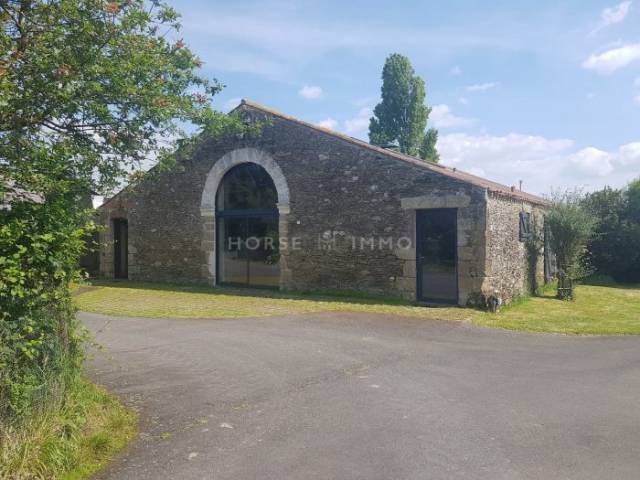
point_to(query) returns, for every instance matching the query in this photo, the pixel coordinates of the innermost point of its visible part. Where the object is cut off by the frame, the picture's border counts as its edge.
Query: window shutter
(525, 230)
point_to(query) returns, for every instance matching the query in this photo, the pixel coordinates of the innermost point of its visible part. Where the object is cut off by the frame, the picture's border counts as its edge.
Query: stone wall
(340, 196)
(165, 228)
(511, 270)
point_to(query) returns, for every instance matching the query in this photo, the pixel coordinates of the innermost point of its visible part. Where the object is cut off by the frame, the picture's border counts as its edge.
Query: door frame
(420, 245)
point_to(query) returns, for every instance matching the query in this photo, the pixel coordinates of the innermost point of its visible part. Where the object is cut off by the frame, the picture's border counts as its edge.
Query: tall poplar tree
(400, 119)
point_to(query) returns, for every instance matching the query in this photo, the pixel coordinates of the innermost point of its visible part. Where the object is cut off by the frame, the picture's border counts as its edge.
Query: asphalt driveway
(354, 396)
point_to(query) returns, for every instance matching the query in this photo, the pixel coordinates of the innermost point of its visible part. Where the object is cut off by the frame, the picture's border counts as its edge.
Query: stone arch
(208, 205)
(236, 157)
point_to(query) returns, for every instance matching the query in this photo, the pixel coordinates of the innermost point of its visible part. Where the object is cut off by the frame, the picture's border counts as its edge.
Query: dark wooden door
(120, 248)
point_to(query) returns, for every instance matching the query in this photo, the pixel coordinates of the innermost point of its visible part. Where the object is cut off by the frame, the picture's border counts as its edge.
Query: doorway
(120, 248)
(436, 256)
(247, 243)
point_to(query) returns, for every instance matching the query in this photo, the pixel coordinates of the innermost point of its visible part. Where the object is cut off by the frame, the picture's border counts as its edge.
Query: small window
(525, 226)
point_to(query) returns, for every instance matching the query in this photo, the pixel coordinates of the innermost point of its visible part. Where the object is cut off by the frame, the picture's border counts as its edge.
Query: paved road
(350, 396)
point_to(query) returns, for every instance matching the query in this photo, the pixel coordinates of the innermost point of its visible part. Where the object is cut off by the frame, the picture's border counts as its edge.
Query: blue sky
(547, 92)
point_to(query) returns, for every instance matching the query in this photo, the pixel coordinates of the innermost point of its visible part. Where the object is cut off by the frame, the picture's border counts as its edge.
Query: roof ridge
(451, 172)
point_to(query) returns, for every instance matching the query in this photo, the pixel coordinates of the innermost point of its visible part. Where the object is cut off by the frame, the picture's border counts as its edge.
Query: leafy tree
(633, 201)
(401, 117)
(570, 227)
(614, 249)
(428, 149)
(607, 205)
(88, 89)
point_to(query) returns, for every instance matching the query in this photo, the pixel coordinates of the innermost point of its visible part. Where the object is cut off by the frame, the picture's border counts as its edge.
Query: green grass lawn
(613, 310)
(72, 441)
(134, 299)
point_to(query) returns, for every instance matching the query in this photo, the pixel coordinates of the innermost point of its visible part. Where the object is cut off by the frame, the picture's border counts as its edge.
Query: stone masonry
(337, 196)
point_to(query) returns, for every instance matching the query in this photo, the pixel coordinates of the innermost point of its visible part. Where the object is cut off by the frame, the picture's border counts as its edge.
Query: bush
(570, 228)
(41, 343)
(614, 249)
(600, 280)
(80, 430)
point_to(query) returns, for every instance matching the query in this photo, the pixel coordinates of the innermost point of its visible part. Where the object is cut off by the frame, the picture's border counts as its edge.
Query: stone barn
(300, 207)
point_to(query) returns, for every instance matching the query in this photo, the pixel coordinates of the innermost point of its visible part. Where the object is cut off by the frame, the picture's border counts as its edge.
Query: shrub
(40, 339)
(77, 433)
(570, 227)
(614, 249)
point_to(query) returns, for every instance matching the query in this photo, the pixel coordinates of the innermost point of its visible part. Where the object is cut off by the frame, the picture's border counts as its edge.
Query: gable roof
(492, 187)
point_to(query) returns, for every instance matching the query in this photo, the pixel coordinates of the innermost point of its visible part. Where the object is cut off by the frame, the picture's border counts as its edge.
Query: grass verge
(598, 310)
(133, 299)
(70, 442)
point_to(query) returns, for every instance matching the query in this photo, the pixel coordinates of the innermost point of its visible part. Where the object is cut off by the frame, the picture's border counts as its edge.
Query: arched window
(247, 228)
(247, 186)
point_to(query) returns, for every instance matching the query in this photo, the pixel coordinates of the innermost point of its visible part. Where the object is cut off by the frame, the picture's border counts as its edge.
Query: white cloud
(329, 123)
(613, 15)
(541, 163)
(238, 60)
(456, 70)
(613, 59)
(463, 101)
(629, 155)
(591, 162)
(358, 124)
(636, 99)
(291, 33)
(310, 92)
(231, 104)
(481, 87)
(442, 117)
(362, 102)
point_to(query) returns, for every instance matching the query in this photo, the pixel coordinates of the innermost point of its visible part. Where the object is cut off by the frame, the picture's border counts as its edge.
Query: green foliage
(88, 89)
(39, 337)
(428, 150)
(401, 117)
(235, 125)
(632, 195)
(570, 228)
(78, 432)
(615, 248)
(600, 280)
(534, 246)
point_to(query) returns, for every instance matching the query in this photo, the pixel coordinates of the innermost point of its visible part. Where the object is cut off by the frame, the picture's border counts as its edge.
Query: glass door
(248, 251)
(263, 255)
(232, 256)
(436, 255)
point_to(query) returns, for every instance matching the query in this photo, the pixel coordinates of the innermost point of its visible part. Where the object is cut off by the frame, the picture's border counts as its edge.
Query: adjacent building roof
(490, 186)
